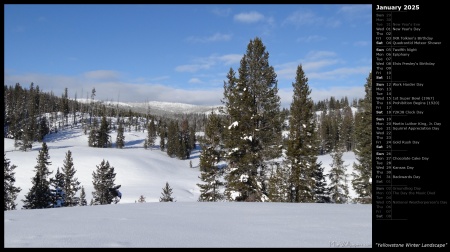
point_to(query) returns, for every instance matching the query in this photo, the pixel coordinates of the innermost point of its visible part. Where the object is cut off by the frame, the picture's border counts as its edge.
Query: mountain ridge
(161, 108)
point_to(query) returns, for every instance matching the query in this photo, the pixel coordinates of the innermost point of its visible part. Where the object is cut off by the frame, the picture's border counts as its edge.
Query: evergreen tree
(42, 129)
(29, 128)
(120, 140)
(347, 128)
(279, 189)
(321, 194)
(17, 114)
(82, 201)
(103, 134)
(302, 145)
(9, 120)
(71, 183)
(252, 106)
(162, 136)
(166, 194)
(362, 175)
(184, 146)
(151, 134)
(10, 191)
(65, 105)
(210, 144)
(327, 132)
(337, 129)
(192, 138)
(210, 190)
(58, 194)
(92, 107)
(92, 138)
(103, 179)
(338, 179)
(39, 195)
(173, 139)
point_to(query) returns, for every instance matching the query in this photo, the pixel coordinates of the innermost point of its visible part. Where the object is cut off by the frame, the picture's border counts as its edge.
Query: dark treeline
(30, 114)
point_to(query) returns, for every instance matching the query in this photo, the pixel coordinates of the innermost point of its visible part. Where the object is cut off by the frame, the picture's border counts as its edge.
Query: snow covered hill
(161, 108)
(139, 171)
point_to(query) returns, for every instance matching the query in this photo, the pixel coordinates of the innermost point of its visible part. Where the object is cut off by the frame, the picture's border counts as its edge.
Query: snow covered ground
(184, 223)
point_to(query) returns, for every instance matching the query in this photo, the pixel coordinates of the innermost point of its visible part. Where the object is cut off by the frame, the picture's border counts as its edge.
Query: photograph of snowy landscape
(188, 126)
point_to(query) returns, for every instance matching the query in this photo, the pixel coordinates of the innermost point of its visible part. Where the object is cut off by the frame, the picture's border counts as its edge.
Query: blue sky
(182, 53)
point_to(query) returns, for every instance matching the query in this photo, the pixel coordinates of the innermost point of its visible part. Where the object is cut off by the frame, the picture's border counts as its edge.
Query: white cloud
(316, 65)
(289, 70)
(102, 74)
(309, 18)
(221, 12)
(360, 12)
(230, 59)
(115, 89)
(300, 18)
(313, 65)
(208, 62)
(313, 55)
(339, 73)
(249, 17)
(195, 81)
(213, 38)
(311, 38)
(355, 9)
(192, 68)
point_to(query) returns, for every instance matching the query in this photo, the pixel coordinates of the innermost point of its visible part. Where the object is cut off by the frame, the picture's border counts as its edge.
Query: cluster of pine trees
(61, 189)
(260, 164)
(245, 156)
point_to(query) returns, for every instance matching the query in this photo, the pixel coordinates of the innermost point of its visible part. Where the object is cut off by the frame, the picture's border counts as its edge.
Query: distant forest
(30, 114)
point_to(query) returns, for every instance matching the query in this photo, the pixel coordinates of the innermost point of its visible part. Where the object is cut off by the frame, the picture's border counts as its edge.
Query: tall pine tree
(162, 135)
(120, 139)
(279, 189)
(151, 134)
(71, 183)
(39, 195)
(10, 191)
(321, 194)
(347, 128)
(58, 194)
(173, 138)
(302, 144)
(103, 180)
(210, 144)
(362, 175)
(338, 187)
(252, 105)
(103, 134)
(92, 138)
